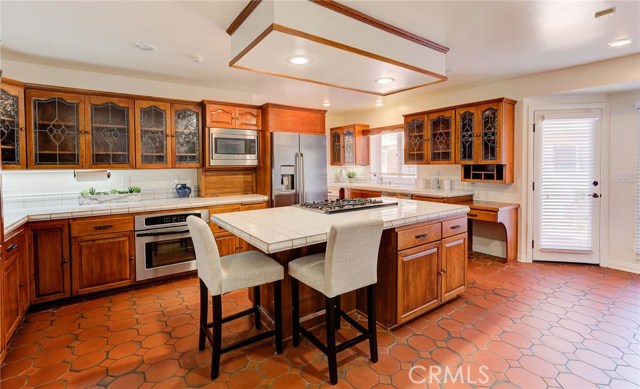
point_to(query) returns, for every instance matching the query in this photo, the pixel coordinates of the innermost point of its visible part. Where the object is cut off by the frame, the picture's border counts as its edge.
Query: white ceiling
(488, 41)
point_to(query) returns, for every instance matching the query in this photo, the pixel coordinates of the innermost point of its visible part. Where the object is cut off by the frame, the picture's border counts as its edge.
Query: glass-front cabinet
(479, 134)
(441, 137)
(12, 121)
(56, 126)
(336, 146)
(415, 140)
(349, 145)
(152, 134)
(110, 143)
(490, 136)
(467, 134)
(348, 137)
(186, 138)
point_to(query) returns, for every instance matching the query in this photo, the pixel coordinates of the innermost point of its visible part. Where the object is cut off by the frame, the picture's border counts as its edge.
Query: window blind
(567, 173)
(386, 155)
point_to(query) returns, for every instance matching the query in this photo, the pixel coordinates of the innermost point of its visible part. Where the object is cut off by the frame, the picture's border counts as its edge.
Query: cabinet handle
(472, 214)
(422, 236)
(103, 227)
(65, 261)
(455, 227)
(12, 247)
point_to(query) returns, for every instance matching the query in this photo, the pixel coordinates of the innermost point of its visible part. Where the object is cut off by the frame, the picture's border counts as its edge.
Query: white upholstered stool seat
(350, 262)
(248, 269)
(220, 275)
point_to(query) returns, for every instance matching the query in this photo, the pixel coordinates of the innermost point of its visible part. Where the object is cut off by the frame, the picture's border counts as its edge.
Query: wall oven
(164, 245)
(230, 146)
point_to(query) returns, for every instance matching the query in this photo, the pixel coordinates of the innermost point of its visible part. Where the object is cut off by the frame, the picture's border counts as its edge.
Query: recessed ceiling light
(299, 60)
(197, 58)
(379, 103)
(326, 104)
(145, 46)
(619, 42)
(385, 80)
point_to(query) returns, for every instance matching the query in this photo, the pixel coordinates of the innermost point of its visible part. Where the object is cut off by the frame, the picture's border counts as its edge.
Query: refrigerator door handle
(302, 192)
(298, 188)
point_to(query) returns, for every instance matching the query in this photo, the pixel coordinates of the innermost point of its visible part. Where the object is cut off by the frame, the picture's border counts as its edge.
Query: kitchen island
(421, 264)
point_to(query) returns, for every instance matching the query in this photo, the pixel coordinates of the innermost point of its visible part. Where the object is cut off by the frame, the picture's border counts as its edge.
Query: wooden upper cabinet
(110, 125)
(349, 145)
(55, 129)
(283, 118)
(186, 138)
(229, 116)
(467, 133)
(415, 139)
(441, 138)
(12, 122)
(153, 129)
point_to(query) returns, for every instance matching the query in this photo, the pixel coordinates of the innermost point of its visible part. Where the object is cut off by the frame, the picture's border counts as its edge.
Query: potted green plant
(351, 175)
(93, 196)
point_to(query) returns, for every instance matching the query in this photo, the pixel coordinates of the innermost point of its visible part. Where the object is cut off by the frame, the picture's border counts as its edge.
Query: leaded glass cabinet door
(152, 134)
(336, 147)
(56, 130)
(186, 137)
(414, 140)
(490, 134)
(110, 143)
(467, 126)
(12, 134)
(348, 137)
(441, 139)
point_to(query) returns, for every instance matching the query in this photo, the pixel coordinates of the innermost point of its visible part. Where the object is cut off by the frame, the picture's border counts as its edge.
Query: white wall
(597, 75)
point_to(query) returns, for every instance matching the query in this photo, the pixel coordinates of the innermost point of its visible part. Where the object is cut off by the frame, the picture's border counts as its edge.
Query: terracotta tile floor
(531, 325)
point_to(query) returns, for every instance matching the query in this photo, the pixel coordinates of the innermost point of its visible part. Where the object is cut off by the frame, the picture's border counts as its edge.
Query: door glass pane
(349, 147)
(109, 134)
(153, 126)
(467, 119)
(56, 138)
(335, 147)
(441, 128)
(187, 137)
(567, 170)
(490, 134)
(9, 131)
(415, 141)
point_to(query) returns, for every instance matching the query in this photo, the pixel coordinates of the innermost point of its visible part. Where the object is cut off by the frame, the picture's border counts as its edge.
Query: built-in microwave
(230, 146)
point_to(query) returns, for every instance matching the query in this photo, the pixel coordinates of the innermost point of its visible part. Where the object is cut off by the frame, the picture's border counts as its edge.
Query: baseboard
(633, 267)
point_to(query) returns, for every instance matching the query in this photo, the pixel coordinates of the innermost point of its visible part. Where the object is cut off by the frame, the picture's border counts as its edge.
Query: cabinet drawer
(417, 236)
(251, 207)
(221, 209)
(489, 216)
(12, 245)
(454, 227)
(102, 225)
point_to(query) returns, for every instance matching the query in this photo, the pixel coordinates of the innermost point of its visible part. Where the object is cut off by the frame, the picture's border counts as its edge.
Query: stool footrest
(353, 322)
(352, 342)
(248, 341)
(237, 315)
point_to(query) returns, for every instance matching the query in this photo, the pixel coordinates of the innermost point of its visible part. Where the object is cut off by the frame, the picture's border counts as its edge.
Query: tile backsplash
(59, 188)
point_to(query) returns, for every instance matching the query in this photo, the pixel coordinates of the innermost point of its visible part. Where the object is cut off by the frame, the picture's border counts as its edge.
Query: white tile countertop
(278, 229)
(14, 218)
(404, 189)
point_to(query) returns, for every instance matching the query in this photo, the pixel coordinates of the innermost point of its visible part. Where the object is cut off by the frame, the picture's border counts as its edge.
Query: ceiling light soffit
(348, 49)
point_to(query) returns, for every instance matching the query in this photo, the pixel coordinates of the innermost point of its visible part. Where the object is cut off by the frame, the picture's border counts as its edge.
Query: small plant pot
(110, 198)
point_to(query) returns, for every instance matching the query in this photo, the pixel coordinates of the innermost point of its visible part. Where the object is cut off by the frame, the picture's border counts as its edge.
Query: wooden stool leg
(256, 306)
(331, 339)
(217, 336)
(371, 318)
(338, 324)
(204, 305)
(295, 311)
(277, 295)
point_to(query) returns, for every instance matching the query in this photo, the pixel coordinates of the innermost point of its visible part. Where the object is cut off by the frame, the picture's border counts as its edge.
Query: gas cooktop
(343, 205)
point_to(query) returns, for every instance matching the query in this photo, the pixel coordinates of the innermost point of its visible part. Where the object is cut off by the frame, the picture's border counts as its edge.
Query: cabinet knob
(132, 258)
(21, 129)
(64, 261)
(444, 270)
(21, 285)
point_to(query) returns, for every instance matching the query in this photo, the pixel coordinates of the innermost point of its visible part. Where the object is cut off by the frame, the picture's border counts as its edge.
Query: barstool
(349, 263)
(220, 275)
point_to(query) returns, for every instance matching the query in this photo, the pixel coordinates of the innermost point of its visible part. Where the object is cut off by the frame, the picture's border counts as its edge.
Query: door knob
(595, 183)
(595, 195)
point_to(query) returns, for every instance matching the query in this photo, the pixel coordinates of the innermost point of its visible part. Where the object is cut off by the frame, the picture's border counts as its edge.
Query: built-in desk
(504, 213)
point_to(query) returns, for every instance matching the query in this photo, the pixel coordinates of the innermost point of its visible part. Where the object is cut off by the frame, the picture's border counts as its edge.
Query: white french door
(567, 192)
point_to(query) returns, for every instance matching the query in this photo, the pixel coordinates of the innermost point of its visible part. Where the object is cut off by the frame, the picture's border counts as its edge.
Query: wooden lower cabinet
(102, 262)
(228, 243)
(361, 194)
(424, 266)
(15, 284)
(50, 260)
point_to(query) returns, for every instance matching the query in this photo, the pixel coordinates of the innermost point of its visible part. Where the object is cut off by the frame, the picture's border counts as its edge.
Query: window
(386, 155)
(638, 188)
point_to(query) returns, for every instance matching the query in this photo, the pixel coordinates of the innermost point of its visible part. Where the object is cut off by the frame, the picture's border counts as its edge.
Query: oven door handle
(142, 234)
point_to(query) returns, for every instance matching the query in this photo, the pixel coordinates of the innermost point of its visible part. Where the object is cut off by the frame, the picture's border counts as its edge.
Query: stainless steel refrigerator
(299, 168)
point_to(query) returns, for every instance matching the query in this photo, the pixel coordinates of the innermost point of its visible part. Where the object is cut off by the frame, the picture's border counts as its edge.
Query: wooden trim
(251, 45)
(292, 108)
(244, 14)
(10, 81)
(491, 101)
(364, 18)
(78, 91)
(380, 130)
(214, 102)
